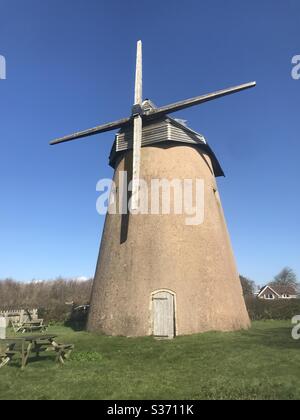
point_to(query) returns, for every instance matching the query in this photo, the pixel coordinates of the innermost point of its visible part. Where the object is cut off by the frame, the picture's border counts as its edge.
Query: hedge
(260, 309)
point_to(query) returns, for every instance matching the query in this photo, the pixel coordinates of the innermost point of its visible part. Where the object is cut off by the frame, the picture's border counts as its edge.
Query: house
(273, 292)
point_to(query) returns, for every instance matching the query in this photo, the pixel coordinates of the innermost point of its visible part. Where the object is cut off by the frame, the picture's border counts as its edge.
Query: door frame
(151, 309)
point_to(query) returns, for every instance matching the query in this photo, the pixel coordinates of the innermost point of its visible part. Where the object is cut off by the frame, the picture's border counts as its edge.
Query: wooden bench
(63, 351)
(6, 355)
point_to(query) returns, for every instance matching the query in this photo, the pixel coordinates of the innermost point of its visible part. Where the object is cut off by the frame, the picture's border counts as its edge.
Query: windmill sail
(138, 127)
(92, 131)
(178, 106)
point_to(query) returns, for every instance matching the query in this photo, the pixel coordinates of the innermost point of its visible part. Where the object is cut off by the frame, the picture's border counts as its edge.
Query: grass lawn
(262, 363)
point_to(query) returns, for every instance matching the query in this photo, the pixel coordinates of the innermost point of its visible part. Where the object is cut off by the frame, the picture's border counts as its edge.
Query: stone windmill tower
(157, 275)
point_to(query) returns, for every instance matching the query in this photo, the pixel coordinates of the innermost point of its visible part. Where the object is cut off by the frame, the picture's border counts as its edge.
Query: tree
(287, 277)
(248, 286)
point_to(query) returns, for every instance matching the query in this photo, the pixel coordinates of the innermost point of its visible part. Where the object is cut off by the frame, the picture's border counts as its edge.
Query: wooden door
(163, 315)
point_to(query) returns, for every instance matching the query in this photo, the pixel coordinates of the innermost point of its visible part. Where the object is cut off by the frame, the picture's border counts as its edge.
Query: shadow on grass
(77, 326)
(17, 363)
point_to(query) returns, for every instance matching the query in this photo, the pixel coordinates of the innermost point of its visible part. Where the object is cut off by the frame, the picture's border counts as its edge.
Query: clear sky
(70, 66)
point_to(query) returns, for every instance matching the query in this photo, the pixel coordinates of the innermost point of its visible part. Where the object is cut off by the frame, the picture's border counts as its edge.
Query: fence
(19, 315)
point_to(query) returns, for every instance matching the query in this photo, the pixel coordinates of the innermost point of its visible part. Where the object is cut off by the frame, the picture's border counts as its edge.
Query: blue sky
(70, 66)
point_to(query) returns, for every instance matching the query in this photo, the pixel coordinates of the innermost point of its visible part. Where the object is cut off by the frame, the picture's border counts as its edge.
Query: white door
(163, 315)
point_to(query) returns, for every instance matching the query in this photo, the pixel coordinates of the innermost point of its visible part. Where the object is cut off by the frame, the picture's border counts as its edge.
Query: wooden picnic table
(36, 344)
(30, 326)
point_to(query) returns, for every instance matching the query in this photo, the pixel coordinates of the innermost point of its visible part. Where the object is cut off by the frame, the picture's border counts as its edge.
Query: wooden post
(35, 314)
(2, 328)
(138, 127)
(26, 353)
(22, 316)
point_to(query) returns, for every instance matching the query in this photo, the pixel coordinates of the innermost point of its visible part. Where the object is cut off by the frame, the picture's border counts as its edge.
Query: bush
(260, 309)
(56, 314)
(54, 299)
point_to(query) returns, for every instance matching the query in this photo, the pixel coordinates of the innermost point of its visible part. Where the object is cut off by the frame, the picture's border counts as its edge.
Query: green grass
(262, 363)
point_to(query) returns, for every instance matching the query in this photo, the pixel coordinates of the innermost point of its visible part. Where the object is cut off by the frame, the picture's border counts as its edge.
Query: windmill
(129, 301)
